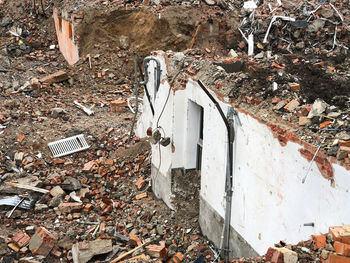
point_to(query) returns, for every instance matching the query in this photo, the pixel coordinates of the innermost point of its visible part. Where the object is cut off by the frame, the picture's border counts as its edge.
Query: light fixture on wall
(156, 137)
(165, 141)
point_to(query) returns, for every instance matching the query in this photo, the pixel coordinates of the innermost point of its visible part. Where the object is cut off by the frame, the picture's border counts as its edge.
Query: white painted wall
(269, 201)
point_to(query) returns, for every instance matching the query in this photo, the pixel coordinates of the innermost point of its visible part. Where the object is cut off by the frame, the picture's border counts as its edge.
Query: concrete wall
(270, 203)
(65, 36)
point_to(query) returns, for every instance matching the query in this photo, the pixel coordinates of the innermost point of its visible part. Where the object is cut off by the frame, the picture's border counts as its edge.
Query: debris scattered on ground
(96, 204)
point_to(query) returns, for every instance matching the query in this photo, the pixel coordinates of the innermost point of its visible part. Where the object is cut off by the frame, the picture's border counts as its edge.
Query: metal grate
(69, 145)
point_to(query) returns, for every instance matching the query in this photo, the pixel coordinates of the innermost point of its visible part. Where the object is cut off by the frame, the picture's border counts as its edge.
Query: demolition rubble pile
(96, 204)
(331, 247)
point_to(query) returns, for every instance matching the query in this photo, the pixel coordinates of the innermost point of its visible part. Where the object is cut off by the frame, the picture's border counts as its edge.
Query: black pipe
(229, 176)
(146, 90)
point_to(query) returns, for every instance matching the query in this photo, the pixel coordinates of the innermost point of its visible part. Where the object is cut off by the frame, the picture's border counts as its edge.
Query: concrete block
(82, 252)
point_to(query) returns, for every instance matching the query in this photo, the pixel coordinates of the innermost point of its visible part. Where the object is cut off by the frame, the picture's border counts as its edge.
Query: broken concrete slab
(83, 251)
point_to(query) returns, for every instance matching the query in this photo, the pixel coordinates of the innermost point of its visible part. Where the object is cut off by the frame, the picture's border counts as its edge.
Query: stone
(124, 42)
(304, 121)
(71, 184)
(280, 105)
(161, 230)
(344, 136)
(57, 112)
(56, 200)
(3, 247)
(57, 190)
(318, 107)
(324, 253)
(300, 45)
(65, 243)
(5, 21)
(82, 252)
(315, 26)
(40, 207)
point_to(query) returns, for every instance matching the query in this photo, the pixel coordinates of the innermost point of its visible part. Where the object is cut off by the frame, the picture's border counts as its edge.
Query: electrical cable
(171, 82)
(160, 115)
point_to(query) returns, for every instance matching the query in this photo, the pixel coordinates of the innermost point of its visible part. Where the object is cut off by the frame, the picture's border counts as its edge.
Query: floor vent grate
(69, 145)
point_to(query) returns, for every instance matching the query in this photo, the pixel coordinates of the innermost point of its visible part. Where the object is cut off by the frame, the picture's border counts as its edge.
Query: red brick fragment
(41, 242)
(157, 251)
(59, 76)
(341, 248)
(21, 239)
(319, 241)
(340, 233)
(178, 257)
(336, 259)
(140, 183)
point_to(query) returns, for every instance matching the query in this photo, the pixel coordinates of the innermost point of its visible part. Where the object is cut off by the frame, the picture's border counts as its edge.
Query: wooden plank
(130, 252)
(28, 187)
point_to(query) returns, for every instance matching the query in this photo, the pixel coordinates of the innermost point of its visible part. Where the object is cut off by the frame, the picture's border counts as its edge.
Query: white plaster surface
(269, 201)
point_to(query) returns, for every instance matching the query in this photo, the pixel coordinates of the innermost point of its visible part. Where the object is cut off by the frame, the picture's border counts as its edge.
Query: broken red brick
(157, 251)
(89, 166)
(118, 106)
(294, 86)
(340, 233)
(21, 239)
(87, 208)
(20, 137)
(140, 196)
(140, 183)
(319, 241)
(324, 124)
(344, 143)
(70, 207)
(241, 45)
(55, 251)
(141, 257)
(134, 241)
(178, 257)
(281, 255)
(292, 105)
(276, 100)
(59, 76)
(341, 248)
(336, 259)
(41, 242)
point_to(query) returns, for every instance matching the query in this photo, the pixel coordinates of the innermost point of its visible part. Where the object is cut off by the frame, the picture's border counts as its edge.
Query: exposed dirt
(186, 189)
(146, 31)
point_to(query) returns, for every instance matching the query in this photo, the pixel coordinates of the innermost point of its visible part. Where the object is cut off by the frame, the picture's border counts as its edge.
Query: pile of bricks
(333, 247)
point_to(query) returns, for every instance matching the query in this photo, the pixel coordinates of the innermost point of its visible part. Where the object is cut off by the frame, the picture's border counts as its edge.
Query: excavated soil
(146, 31)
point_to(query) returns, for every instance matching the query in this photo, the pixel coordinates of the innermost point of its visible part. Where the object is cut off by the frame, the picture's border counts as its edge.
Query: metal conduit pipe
(157, 72)
(229, 123)
(145, 87)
